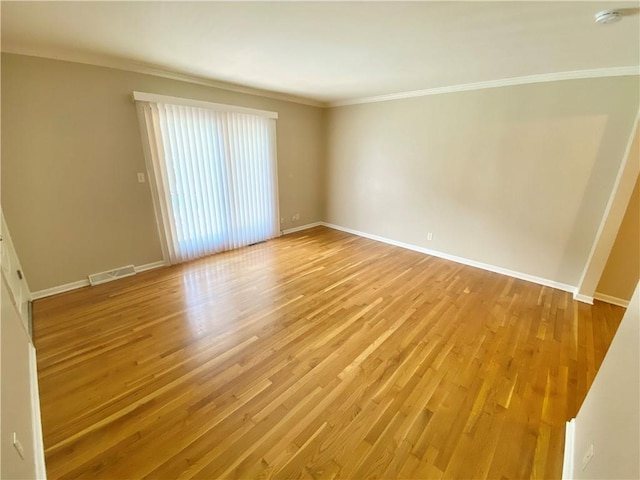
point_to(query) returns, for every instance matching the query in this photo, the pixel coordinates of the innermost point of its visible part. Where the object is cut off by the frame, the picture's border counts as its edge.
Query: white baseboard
(47, 292)
(302, 227)
(464, 261)
(569, 447)
(582, 298)
(150, 266)
(612, 300)
(67, 287)
(36, 420)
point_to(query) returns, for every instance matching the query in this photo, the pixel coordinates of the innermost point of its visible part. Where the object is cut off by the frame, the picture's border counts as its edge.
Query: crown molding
(137, 67)
(505, 82)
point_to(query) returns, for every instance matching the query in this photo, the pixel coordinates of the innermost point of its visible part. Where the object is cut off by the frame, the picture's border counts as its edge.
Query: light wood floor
(316, 355)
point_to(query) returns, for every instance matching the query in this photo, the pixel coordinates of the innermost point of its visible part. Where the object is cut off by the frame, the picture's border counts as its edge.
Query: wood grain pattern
(315, 355)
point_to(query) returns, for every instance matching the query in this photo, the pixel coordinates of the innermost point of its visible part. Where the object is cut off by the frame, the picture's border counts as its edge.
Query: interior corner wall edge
(70, 153)
(19, 410)
(613, 215)
(609, 418)
(622, 270)
(517, 177)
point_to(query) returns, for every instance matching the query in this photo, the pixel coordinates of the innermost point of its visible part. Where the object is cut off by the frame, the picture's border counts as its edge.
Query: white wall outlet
(587, 457)
(429, 236)
(140, 177)
(18, 446)
(295, 217)
(281, 220)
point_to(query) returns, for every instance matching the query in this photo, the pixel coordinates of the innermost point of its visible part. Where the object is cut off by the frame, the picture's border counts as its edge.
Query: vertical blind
(213, 176)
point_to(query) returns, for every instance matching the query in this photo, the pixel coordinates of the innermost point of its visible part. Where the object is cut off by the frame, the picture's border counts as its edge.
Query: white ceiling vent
(103, 277)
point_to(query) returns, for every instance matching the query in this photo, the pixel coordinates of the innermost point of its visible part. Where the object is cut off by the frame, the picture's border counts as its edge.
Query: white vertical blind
(215, 178)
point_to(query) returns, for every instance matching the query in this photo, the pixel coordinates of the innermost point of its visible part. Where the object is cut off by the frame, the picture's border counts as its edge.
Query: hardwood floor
(315, 355)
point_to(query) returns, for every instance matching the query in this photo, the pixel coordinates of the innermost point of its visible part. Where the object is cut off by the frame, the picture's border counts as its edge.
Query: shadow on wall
(593, 177)
(622, 270)
(595, 198)
(514, 177)
(557, 198)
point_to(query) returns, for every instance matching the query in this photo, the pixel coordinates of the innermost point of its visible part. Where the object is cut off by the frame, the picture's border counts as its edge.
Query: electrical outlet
(281, 220)
(140, 177)
(295, 217)
(429, 236)
(587, 457)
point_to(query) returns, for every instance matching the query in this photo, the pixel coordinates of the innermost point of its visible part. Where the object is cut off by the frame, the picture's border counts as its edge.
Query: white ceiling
(329, 51)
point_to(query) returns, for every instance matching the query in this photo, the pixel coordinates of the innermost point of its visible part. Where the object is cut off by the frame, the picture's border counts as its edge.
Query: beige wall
(16, 408)
(609, 418)
(613, 216)
(622, 271)
(70, 152)
(515, 177)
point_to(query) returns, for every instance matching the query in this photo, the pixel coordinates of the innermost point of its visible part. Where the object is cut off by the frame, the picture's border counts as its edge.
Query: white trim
(36, 419)
(129, 66)
(150, 266)
(612, 300)
(629, 174)
(464, 261)
(302, 227)
(569, 448)
(453, 258)
(47, 292)
(190, 102)
(153, 185)
(580, 297)
(504, 82)
(67, 287)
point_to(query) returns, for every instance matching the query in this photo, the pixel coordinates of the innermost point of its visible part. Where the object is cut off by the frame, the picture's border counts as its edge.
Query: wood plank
(314, 355)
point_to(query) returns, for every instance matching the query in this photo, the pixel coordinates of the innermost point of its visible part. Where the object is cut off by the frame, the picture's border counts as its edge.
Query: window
(213, 174)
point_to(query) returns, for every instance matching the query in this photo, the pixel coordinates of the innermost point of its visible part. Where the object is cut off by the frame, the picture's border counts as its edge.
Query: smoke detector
(608, 16)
